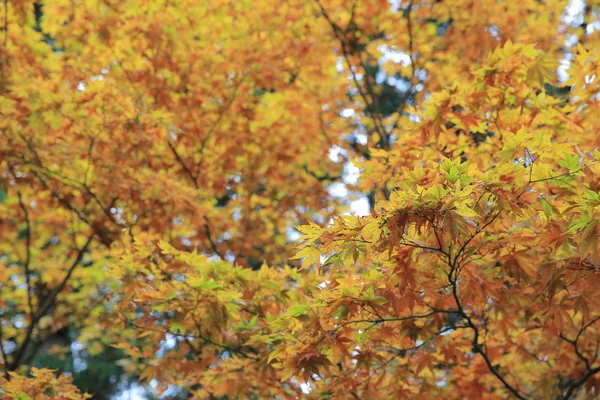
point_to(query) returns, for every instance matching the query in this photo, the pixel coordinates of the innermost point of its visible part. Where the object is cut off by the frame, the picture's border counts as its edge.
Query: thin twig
(381, 320)
(213, 244)
(185, 167)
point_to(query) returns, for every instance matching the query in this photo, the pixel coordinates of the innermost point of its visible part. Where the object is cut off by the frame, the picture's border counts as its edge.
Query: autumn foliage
(170, 174)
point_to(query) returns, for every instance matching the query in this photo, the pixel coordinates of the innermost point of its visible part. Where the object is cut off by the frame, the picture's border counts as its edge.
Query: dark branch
(46, 305)
(26, 264)
(3, 352)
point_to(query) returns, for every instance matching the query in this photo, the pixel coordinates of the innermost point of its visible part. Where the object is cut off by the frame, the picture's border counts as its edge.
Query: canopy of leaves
(158, 159)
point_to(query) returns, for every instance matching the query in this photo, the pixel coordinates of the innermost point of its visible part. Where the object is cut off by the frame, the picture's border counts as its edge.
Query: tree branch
(213, 244)
(46, 305)
(3, 352)
(476, 346)
(341, 36)
(579, 382)
(187, 169)
(381, 320)
(26, 264)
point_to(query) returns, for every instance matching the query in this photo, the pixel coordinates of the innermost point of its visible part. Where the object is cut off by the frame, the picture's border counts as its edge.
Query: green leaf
(253, 321)
(198, 283)
(580, 223)
(434, 194)
(453, 175)
(370, 293)
(594, 197)
(296, 311)
(36, 122)
(2, 195)
(571, 162)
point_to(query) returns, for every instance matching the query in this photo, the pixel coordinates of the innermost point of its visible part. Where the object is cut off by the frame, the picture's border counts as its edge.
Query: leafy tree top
(156, 157)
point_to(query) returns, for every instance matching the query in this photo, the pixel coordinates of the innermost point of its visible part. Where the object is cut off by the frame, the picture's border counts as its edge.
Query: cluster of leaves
(211, 322)
(156, 155)
(460, 263)
(42, 385)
